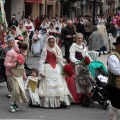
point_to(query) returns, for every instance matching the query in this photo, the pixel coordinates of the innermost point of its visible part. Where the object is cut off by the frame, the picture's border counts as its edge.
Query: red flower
(20, 59)
(68, 70)
(35, 38)
(87, 60)
(3, 46)
(20, 38)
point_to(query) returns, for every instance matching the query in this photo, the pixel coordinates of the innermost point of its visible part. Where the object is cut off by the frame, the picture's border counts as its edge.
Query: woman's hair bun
(22, 45)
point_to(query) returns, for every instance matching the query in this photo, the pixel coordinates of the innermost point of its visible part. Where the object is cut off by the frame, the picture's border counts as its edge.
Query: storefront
(33, 7)
(7, 7)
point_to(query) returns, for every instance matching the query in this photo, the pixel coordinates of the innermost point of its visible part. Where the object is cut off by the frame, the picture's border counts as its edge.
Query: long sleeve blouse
(114, 65)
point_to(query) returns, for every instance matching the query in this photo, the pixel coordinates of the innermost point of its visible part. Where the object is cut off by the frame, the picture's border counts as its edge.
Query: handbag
(18, 71)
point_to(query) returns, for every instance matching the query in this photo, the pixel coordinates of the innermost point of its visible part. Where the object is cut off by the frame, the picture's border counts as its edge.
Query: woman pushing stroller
(78, 52)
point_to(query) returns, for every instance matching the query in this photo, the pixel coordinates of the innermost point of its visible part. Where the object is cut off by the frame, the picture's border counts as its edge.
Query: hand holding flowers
(85, 61)
(67, 70)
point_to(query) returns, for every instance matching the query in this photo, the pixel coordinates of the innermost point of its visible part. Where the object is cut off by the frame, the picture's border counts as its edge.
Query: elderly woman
(21, 29)
(102, 30)
(30, 27)
(53, 89)
(78, 52)
(95, 40)
(15, 81)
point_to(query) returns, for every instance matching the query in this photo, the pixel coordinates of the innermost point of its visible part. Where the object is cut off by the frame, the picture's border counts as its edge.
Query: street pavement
(73, 112)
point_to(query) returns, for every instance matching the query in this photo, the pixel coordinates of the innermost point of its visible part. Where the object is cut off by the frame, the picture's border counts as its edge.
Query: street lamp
(45, 7)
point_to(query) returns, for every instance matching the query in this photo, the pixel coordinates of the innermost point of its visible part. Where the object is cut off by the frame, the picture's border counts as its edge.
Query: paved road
(73, 112)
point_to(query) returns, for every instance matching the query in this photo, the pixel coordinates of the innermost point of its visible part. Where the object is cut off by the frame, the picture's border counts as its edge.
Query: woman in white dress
(53, 90)
(36, 47)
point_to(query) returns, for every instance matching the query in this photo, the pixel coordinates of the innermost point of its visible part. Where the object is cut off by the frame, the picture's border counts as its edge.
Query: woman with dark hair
(30, 27)
(15, 75)
(53, 90)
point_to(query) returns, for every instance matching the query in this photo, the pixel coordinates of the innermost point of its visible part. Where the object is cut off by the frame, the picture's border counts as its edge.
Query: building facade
(53, 8)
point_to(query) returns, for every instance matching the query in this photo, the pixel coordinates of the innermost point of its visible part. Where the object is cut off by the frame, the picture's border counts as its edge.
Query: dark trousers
(86, 36)
(67, 53)
(30, 39)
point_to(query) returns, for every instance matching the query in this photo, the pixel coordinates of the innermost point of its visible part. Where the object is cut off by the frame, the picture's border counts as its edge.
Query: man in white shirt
(113, 86)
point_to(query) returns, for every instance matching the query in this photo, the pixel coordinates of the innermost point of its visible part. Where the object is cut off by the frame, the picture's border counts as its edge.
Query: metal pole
(94, 4)
(45, 7)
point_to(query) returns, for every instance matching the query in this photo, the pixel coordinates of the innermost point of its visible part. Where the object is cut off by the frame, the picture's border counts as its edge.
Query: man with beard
(79, 27)
(67, 34)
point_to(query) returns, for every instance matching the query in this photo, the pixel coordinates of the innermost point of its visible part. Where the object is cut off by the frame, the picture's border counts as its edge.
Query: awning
(33, 1)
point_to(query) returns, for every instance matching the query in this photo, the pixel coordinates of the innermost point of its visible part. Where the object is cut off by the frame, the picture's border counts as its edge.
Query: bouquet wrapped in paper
(19, 69)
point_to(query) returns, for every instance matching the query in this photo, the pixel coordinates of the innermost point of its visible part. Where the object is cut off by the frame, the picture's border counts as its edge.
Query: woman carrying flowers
(15, 74)
(53, 89)
(78, 54)
(36, 47)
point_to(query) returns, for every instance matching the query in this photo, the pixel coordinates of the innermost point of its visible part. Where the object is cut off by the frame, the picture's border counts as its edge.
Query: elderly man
(67, 34)
(13, 21)
(113, 87)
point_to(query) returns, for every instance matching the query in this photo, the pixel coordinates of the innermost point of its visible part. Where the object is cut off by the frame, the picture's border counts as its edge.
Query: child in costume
(32, 87)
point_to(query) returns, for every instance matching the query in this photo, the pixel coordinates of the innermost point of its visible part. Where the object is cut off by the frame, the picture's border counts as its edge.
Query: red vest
(51, 59)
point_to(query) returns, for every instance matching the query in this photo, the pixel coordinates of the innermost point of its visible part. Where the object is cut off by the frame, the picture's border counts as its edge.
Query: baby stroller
(83, 84)
(100, 74)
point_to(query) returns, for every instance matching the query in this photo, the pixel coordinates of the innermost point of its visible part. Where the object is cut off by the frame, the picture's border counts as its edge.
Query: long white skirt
(16, 88)
(36, 48)
(112, 40)
(53, 88)
(34, 97)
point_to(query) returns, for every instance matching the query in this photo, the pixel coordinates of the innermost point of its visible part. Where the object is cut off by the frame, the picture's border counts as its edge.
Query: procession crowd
(49, 87)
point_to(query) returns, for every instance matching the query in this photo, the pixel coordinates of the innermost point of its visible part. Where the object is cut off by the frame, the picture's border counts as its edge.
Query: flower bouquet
(20, 60)
(35, 39)
(67, 70)
(87, 60)
(18, 71)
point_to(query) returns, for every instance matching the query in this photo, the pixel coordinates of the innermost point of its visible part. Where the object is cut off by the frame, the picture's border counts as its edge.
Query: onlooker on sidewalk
(13, 21)
(113, 86)
(95, 40)
(67, 34)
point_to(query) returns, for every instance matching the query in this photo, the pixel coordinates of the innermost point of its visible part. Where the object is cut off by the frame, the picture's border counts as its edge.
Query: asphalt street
(73, 112)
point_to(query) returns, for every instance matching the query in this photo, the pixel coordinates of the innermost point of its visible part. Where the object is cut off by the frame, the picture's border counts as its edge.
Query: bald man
(67, 34)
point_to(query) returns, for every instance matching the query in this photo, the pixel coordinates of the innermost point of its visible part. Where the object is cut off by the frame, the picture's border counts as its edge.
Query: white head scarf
(55, 50)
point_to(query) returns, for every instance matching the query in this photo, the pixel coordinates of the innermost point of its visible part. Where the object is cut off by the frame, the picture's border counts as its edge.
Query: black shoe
(109, 53)
(99, 55)
(8, 96)
(63, 104)
(103, 53)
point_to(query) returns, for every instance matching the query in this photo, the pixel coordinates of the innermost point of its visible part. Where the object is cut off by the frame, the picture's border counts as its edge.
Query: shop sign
(33, 1)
